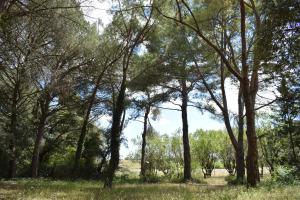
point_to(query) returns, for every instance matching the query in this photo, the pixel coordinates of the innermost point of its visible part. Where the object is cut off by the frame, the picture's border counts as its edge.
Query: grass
(213, 189)
(128, 186)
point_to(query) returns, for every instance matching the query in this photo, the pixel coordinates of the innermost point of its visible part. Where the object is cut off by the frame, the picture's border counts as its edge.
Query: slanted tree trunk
(237, 143)
(115, 133)
(144, 137)
(87, 115)
(119, 106)
(84, 125)
(44, 104)
(185, 133)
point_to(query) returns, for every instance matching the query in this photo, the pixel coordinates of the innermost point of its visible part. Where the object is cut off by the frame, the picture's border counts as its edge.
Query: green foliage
(286, 175)
(163, 156)
(209, 148)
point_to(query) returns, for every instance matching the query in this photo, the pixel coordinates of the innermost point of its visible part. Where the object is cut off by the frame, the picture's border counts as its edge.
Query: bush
(197, 176)
(232, 180)
(285, 174)
(151, 177)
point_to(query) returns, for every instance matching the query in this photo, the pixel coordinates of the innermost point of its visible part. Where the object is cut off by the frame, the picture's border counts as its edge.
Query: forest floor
(50, 189)
(130, 188)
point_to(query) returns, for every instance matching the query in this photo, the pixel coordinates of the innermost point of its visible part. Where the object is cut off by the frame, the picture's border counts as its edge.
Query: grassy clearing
(49, 189)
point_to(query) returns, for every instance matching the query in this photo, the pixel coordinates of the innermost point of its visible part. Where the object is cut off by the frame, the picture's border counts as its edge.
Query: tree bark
(4, 5)
(249, 94)
(102, 163)
(144, 138)
(115, 134)
(185, 134)
(84, 126)
(13, 128)
(252, 155)
(240, 157)
(44, 104)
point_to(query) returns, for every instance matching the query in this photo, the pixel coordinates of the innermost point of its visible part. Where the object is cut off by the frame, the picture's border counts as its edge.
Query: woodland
(61, 75)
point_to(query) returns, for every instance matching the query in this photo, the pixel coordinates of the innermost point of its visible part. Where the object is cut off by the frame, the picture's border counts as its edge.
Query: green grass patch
(51, 189)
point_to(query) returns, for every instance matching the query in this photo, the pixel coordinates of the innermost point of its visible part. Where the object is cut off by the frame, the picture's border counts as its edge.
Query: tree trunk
(37, 146)
(13, 128)
(101, 164)
(119, 107)
(80, 142)
(252, 155)
(12, 167)
(144, 137)
(86, 120)
(249, 93)
(237, 143)
(240, 160)
(185, 134)
(44, 105)
(294, 159)
(115, 134)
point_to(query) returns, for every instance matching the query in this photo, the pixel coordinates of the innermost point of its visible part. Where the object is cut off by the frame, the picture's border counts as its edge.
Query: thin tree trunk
(144, 137)
(37, 146)
(240, 157)
(44, 105)
(185, 134)
(262, 169)
(12, 167)
(294, 155)
(84, 127)
(13, 128)
(237, 143)
(101, 164)
(115, 134)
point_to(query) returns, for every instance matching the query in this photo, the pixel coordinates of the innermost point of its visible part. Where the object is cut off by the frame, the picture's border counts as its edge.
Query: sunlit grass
(49, 189)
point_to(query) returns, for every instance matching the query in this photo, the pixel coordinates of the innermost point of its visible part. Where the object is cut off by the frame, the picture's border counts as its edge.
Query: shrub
(151, 177)
(232, 180)
(285, 174)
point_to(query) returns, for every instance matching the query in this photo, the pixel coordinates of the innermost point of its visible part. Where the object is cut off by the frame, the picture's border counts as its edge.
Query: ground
(213, 188)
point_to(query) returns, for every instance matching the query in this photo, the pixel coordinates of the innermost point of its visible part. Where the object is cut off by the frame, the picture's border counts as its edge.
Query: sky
(169, 120)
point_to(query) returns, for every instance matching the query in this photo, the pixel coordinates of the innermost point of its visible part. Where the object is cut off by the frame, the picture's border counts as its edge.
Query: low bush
(286, 175)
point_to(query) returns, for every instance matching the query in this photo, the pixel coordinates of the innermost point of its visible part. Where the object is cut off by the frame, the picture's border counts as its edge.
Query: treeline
(60, 75)
(212, 149)
(164, 155)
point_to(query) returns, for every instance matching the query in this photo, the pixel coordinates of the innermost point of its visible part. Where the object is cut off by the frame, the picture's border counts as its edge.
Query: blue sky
(168, 122)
